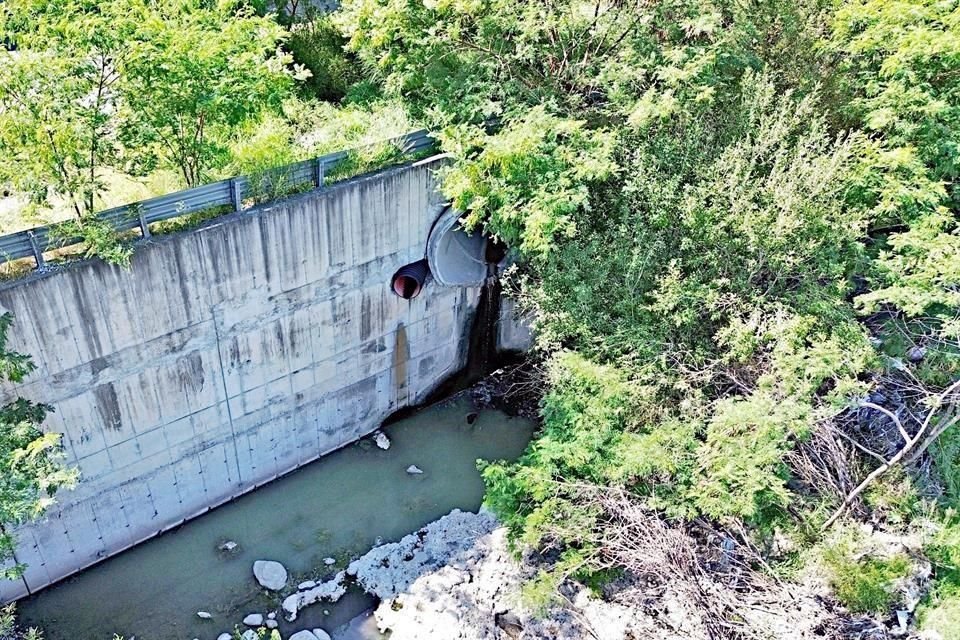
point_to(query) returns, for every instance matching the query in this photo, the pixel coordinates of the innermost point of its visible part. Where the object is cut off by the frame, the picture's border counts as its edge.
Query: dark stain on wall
(401, 354)
(108, 406)
(366, 317)
(190, 372)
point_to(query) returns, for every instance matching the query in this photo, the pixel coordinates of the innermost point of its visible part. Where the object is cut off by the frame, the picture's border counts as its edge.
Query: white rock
(331, 590)
(303, 635)
(270, 574)
(329, 561)
(309, 584)
(229, 545)
(272, 615)
(272, 624)
(382, 440)
(291, 605)
(321, 634)
(224, 636)
(249, 634)
(253, 620)
(389, 569)
(414, 470)
(204, 615)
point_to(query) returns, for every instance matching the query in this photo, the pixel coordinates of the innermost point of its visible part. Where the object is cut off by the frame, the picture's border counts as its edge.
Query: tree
(31, 461)
(58, 101)
(196, 71)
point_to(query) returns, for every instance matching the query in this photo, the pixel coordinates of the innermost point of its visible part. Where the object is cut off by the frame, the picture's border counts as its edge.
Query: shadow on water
(336, 507)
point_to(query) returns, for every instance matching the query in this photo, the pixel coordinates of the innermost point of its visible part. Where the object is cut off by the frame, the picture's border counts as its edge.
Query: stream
(337, 507)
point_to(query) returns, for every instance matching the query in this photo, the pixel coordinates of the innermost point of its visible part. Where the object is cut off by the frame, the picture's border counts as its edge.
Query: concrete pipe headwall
(226, 356)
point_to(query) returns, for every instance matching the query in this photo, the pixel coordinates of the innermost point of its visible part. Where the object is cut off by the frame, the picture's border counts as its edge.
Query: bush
(317, 44)
(259, 152)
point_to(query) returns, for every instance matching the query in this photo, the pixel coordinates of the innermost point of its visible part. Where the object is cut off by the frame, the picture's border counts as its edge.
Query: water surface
(337, 507)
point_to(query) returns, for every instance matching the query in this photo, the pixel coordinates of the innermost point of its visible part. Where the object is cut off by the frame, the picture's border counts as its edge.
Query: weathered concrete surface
(513, 329)
(227, 356)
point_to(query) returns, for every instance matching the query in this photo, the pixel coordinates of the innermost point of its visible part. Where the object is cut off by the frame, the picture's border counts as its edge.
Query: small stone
(253, 620)
(272, 615)
(204, 615)
(329, 561)
(249, 634)
(272, 624)
(309, 584)
(224, 636)
(414, 470)
(915, 353)
(270, 574)
(382, 440)
(229, 545)
(326, 612)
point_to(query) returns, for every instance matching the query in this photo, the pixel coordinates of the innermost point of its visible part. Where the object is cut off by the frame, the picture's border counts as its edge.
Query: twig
(911, 443)
(891, 415)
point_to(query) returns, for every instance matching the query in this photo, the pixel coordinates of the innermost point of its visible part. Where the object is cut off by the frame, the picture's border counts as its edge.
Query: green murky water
(336, 507)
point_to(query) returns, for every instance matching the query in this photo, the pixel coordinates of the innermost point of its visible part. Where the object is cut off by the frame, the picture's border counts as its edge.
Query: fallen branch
(906, 451)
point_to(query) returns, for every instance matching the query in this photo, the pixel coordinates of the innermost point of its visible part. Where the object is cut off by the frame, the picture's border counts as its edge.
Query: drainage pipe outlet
(408, 281)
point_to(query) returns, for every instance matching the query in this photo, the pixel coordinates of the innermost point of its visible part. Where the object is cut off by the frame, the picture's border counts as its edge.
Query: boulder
(321, 634)
(272, 615)
(229, 545)
(270, 574)
(249, 634)
(309, 584)
(329, 561)
(224, 636)
(303, 635)
(414, 470)
(204, 615)
(253, 620)
(382, 440)
(272, 624)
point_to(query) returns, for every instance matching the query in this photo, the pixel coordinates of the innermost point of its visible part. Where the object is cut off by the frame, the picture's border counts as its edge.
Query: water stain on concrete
(108, 406)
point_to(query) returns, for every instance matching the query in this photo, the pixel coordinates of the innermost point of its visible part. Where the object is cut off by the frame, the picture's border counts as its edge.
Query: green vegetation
(942, 611)
(739, 224)
(31, 461)
(739, 227)
(863, 584)
(98, 100)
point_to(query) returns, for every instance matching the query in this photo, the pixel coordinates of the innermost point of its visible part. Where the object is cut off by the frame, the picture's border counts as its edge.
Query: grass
(862, 583)
(188, 221)
(940, 612)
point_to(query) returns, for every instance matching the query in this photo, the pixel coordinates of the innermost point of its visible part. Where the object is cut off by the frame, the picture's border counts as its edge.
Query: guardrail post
(144, 227)
(235, 194)
(318, 173)
(37, 253)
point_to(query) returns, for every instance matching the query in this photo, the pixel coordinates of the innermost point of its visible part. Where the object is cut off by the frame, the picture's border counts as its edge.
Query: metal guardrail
(230, 192)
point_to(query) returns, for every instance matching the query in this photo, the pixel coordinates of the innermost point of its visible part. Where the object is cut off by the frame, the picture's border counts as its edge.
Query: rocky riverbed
(456, 579)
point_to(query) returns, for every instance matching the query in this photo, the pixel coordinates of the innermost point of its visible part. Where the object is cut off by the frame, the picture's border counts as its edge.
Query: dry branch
(909, 451)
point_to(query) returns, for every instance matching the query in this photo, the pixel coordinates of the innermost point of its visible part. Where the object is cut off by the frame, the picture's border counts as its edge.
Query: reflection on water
(336, 507)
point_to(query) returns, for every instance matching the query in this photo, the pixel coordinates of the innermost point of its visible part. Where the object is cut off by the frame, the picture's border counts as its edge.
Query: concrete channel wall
(226, 356)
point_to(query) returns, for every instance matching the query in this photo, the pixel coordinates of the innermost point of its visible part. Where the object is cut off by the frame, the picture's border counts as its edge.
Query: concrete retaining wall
(226, 356)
